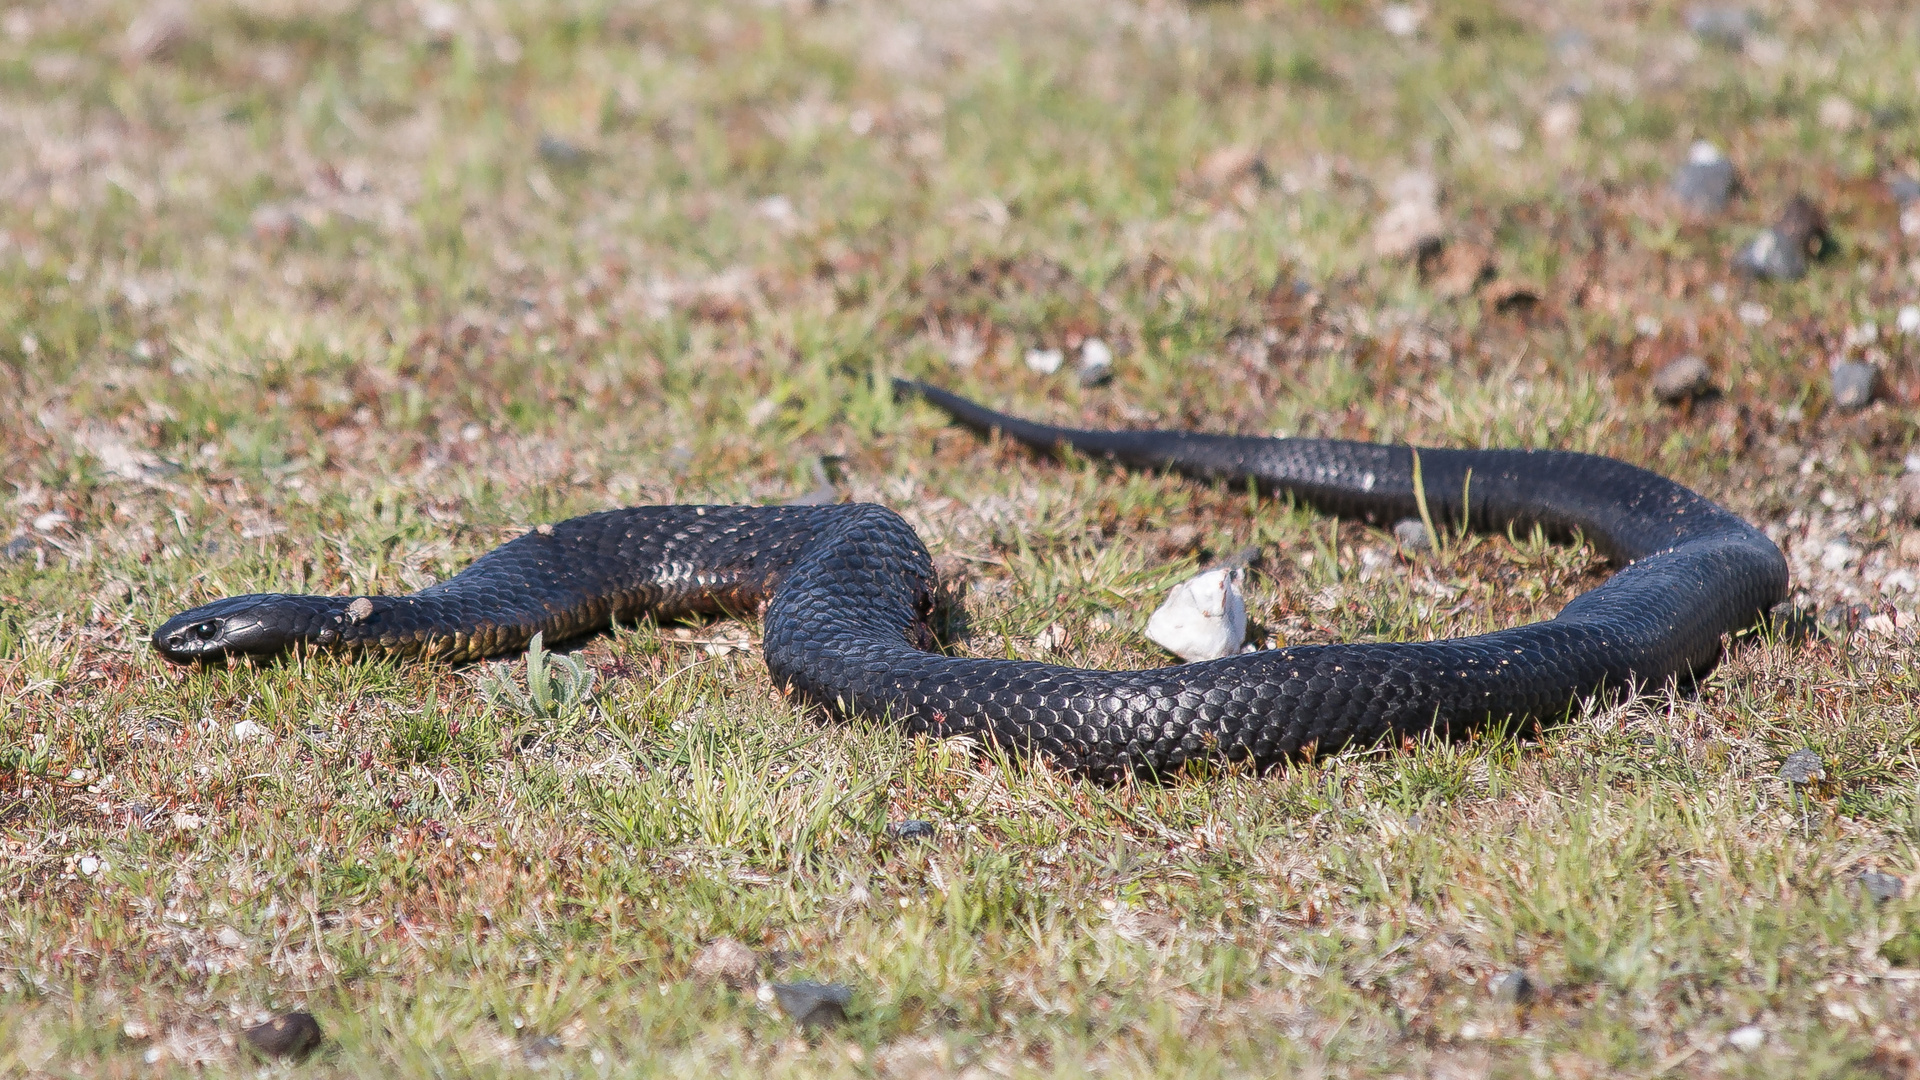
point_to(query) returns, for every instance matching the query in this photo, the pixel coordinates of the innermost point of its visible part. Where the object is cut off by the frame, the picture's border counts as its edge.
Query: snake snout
(215, 632)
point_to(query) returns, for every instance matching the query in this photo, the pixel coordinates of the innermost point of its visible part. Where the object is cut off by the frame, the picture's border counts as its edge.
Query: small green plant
(556, 684)
(1903, 949)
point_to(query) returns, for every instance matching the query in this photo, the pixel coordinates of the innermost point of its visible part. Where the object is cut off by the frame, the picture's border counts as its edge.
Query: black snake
(847, 592)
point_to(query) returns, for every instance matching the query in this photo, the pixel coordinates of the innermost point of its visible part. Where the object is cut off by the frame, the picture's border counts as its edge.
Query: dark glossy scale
(847, 590)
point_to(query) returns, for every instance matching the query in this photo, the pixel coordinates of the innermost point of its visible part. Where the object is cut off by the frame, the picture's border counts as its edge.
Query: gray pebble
(1803, 767)
(1705, 182)
(812, 1004)
(1411, 533)
(910, 829)
(17, 548)
(1682, 380)
(539, 1049)
(1770, 258)
(1854, 384)
(1839, 620)
(1512, 988)
(558, 151)
(1881, 887)
(1726, 27)
(1903, 188)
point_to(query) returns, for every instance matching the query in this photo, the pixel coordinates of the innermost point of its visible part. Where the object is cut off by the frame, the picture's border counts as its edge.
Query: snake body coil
(847, 590)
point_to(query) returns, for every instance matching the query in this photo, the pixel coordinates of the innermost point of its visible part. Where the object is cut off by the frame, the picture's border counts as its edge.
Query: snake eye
(205, 631)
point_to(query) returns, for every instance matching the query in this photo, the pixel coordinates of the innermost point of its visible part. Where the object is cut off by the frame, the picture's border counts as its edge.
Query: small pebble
(247, 730)
(1096, 363)
(558, 151)
(1726, 27)
(1512, 988)
(90, 865)
(292, 1035)
(812, 1004)
(1746, 1039)
(1682, 380)
(1839, 620)
(727, 961)
(1705, 182)
(1854, 384)
(910, 829)
(1907, 496)
(1411, 224)
(1803, 767)
(1045, 361)
(1411, 534)
(1203, 618)
(1754, 314)
(1769, 257)
(1402, 20)
(537, 1050)
(1908, 321)
(1881, 887)
(1903, 188)
(17, 548)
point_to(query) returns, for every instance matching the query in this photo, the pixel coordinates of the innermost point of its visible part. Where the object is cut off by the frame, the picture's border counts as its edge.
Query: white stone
(91, 865)
(49, 521)
(229, 938)
(247, 730)
(1095, 353)
(1837, 554)
(1402, 20)
(1704, 153)
(1045, 361)
(1754, 314)
(1746, 1039)
(1203, 618)
(1908, 320)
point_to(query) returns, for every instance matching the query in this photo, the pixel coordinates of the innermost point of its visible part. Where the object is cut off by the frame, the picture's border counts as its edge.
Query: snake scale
(847, 592)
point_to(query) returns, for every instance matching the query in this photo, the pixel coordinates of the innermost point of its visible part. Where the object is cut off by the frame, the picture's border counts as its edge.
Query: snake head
(257, 625)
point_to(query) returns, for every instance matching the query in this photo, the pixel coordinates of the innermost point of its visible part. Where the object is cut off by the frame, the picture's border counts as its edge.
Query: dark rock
(1683, 379)
(727, 961)
(17, 548)
(1803, 225)
(1411, 533)
(1793, 624)
(911, 829)
(1512, 988)
(1706, 181)
(1726, 27)
(1881, 887)
(1803, 767)
(1781, 253)
(812, 1004)
(290, 1035)
(1854, 385)
(1903, 188)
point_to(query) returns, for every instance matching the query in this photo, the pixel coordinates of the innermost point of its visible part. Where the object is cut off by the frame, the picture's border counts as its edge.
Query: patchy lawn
(331, 295)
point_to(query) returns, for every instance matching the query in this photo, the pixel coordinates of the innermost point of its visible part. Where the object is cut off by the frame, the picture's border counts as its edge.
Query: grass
(334, 296)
